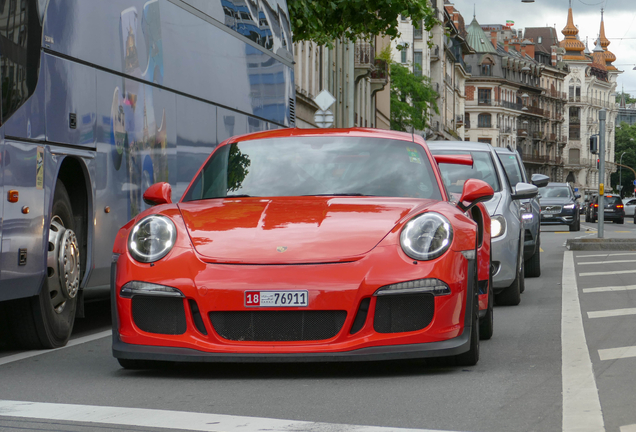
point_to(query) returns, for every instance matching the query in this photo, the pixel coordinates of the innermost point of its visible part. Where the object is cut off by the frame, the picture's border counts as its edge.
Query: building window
(484, 121)
(417, 63)
(485, 140)
(484, 96)
(486, 70)
(417, 32)
(403, 54)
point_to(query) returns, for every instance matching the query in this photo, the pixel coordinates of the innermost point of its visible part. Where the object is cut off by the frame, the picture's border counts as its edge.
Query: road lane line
(606, 262)
(617, 353)
(72, 342)
(609, 289)
(166, 419)
(612, 313)
(592, 256)
(606, 273)
(581, 404)
(630, 428)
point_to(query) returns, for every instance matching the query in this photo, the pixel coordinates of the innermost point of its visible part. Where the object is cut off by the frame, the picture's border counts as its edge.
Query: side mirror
(475, 191)
(158, 193)
(577, 196)
(540, 180)
(524, 191)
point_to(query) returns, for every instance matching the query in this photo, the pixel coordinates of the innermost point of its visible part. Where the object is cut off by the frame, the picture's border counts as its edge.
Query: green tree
(324, 21)
(412, 99)
(625, 142)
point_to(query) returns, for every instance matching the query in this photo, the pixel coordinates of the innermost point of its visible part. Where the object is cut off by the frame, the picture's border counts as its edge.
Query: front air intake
(160, 315)
(277, 326)
(403, 313)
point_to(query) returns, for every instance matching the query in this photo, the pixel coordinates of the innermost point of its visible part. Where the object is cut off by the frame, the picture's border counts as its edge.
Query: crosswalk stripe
(166, 419)
(617, 353)
(607, 262)
(606, 255)
(612, 313)
(609, 289)
(629, 428)
(606, 273)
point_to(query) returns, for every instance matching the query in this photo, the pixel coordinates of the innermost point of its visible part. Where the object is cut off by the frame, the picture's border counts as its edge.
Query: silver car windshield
(311, 166)
(456, 175)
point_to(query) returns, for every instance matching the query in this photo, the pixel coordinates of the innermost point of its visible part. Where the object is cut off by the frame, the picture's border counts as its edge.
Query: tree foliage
(412, 99)
(625, 142)
(323, 21)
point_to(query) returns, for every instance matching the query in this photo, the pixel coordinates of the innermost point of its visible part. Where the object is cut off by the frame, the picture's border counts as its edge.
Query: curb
(601, 244)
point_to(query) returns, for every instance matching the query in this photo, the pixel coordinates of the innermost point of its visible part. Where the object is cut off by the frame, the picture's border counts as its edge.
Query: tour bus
(101, 99)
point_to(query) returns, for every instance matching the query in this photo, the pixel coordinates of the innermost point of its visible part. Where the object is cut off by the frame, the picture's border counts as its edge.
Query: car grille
(553, 209)
(403, 313)
(277, 326)
(159, 315)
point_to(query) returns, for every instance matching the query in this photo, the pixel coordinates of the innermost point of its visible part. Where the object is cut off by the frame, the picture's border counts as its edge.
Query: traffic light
(598, 164)
(594, 144)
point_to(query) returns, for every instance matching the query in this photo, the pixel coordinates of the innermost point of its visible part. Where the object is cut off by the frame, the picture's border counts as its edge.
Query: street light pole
(620, 174)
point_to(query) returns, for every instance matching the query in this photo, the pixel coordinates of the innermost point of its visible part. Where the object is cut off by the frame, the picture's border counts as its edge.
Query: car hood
(292, 229)
(555, 201)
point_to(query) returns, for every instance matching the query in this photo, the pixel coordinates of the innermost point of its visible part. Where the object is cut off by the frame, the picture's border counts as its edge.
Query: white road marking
(606, 273)
(617, 353)
(608, 289)
(581, 404)
(630, 428)
(612, 313)
(607, 262)
(607, 254)
(73, 342)
(165, 419)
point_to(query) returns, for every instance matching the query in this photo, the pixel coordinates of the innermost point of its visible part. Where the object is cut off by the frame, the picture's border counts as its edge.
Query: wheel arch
(73, 172)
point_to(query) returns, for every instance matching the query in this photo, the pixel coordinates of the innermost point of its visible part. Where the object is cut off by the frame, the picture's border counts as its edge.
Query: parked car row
(326, 245)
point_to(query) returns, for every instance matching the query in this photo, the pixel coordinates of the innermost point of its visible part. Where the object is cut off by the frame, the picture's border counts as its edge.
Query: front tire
(576, 226)
(621, 221)
(46, 320)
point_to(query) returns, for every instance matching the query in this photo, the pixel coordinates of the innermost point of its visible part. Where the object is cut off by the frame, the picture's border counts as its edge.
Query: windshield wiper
(236, 196)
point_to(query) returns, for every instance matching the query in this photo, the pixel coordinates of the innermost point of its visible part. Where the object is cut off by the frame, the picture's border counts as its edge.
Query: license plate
(276, 298)
(609, 210)
(547, 215)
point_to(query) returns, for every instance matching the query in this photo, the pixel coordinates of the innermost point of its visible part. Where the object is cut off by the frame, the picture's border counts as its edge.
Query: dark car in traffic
(559, 206)
(613, 209)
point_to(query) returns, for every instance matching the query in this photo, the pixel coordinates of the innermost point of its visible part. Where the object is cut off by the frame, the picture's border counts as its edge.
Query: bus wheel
(48, 317)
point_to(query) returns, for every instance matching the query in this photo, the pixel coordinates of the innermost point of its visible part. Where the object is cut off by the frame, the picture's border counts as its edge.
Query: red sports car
(306, 245)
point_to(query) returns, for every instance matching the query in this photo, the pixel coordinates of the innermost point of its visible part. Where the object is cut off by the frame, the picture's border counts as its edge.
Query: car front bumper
(505, 251)
(216, 287)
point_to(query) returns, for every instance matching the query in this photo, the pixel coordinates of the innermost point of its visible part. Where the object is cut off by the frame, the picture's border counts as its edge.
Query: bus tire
(48, 318)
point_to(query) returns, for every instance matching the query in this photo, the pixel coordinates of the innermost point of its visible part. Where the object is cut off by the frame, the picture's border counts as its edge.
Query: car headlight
(152, 238)
(497, 226)
(427, 236)
(569, 206)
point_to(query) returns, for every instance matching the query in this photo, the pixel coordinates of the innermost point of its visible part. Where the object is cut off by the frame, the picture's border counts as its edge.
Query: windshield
(301, 166)
(511, 165)
(554, 192)
(455, 175)
(610, 200)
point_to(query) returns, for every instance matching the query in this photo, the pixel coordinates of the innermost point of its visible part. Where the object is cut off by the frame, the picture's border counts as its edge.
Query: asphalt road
(520, 383)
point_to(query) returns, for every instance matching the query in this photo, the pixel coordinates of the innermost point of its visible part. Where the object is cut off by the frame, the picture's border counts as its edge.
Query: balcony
(435, 53)
(459, 120)
(379, 75)
(538, 135)
(522, 133)
(507, 130)
(364, 59)
(552, 137)
(536, 158)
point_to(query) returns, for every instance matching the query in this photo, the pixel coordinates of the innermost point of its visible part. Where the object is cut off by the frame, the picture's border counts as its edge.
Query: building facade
(591, 86)
(354, 77)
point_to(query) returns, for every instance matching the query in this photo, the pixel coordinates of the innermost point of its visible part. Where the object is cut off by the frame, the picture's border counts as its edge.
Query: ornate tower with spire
(573, 47)
(609, 56)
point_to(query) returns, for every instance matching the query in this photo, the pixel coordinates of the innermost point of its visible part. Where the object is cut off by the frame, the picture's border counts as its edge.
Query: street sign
(576, 189)
(634, 182)
(324, 100)
(323, 119)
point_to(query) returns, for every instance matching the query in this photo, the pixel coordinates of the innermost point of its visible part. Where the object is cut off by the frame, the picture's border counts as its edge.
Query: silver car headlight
(427, 236)
(497, 226)
(152, 238)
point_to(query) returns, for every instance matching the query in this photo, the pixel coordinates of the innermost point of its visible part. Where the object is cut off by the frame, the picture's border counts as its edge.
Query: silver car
(507, 229)
(530, 208)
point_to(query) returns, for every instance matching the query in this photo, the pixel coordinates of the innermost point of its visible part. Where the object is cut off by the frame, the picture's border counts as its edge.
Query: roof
(547, 35)
(478, 40)
(351, 132)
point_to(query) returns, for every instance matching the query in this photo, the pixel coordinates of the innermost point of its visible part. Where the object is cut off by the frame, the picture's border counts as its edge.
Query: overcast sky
(620, 24)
